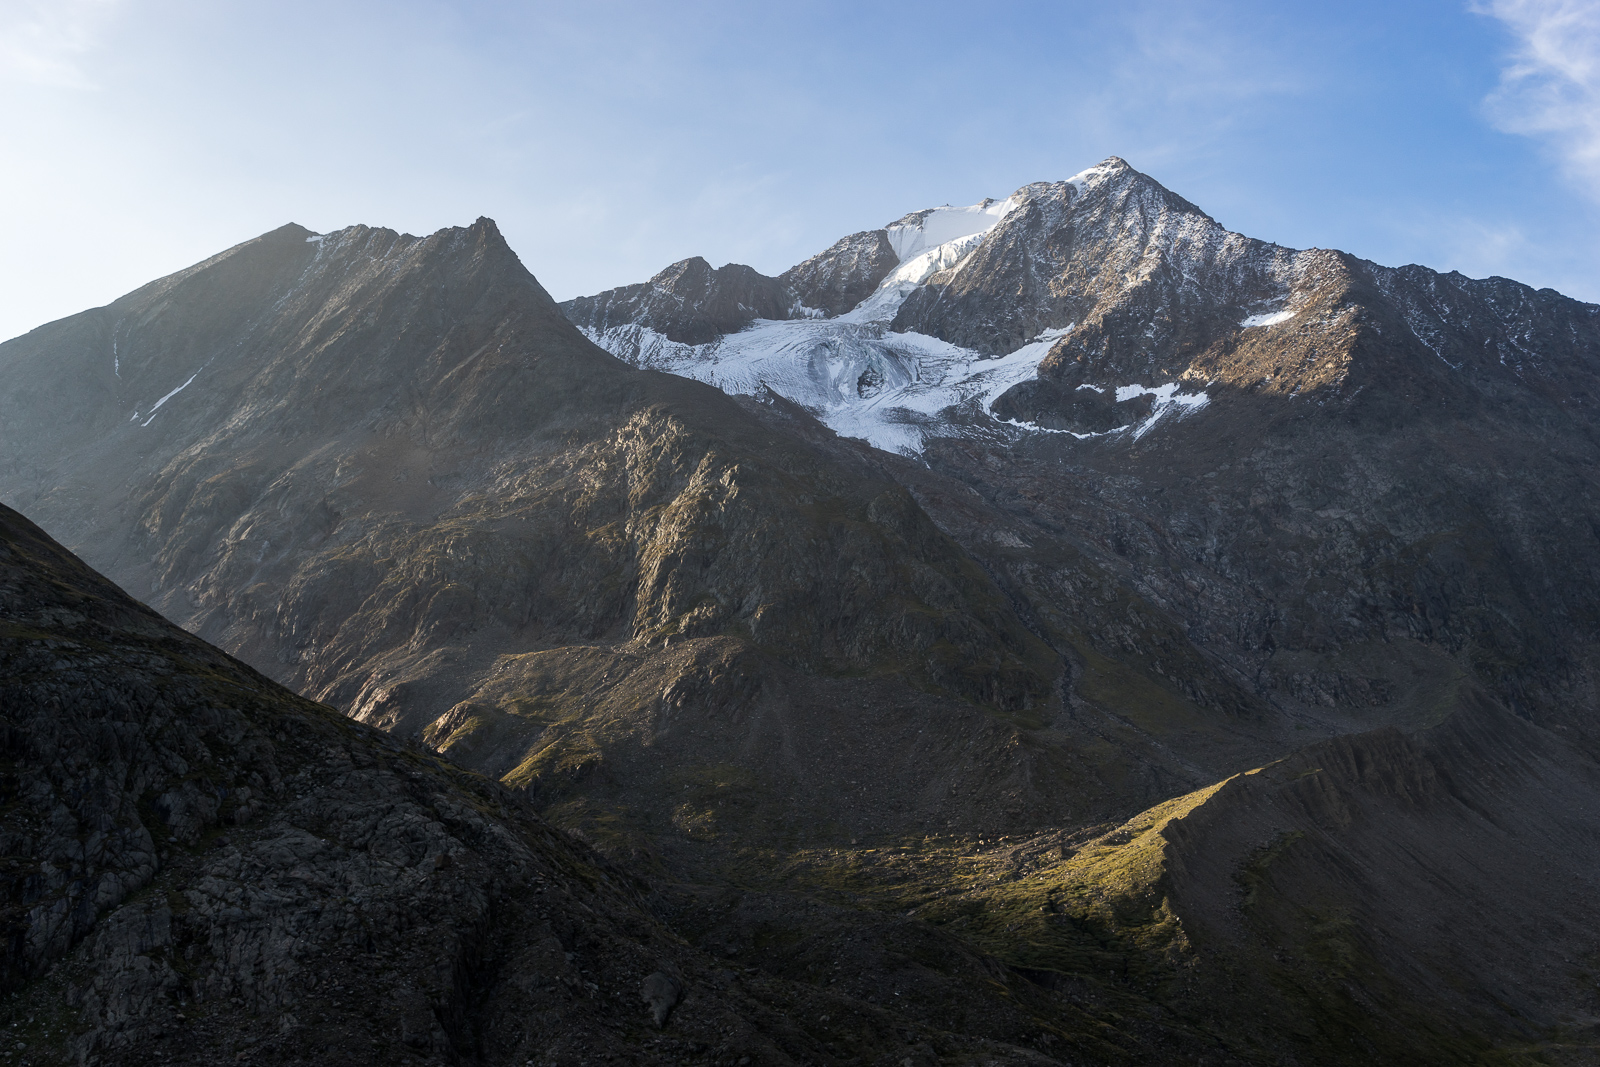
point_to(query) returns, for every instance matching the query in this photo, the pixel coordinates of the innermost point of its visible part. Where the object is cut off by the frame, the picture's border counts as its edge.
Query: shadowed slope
(203, 867)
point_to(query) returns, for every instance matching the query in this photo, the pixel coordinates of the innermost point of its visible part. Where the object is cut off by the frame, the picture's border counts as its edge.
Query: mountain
(386, 471)
(1215, 614)
(1329, 472)
(692, 303)
(840, 277)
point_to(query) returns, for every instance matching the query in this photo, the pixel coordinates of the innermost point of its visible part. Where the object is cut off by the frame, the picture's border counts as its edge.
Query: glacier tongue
(892, 390)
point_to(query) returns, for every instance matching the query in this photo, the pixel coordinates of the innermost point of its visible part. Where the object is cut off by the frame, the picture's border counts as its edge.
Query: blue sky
(609, 139)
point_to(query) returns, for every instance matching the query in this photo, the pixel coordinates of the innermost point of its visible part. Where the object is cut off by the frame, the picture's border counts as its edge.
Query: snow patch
(1093, 176)
(893, 390)
(937, 226)
(168, 397)
(885, 301)
(316, 240)
(1167, 399)
(1271, 318)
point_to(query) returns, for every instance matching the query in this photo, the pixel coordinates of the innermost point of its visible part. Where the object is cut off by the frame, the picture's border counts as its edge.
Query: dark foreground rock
(204, 868)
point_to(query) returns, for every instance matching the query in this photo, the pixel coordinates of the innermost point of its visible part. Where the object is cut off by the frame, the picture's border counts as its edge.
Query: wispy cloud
(1552, 86)
(45, 42)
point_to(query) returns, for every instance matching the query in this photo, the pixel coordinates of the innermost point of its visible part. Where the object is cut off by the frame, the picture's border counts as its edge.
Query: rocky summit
(1057, 629)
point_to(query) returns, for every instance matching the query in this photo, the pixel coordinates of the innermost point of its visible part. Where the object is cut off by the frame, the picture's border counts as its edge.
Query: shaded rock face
(846, 273)
(204, 867)
(211, 865)
(689, 302)
(1074, 408)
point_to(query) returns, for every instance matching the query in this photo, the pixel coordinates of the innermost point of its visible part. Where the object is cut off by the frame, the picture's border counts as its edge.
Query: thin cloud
(44, 42)
(1552, 86)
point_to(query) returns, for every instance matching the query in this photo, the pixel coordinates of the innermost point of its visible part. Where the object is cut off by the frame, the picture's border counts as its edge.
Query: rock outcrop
(690, 303)
(842, 276)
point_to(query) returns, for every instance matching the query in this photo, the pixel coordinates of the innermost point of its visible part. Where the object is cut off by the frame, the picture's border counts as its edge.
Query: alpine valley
(1056, 630)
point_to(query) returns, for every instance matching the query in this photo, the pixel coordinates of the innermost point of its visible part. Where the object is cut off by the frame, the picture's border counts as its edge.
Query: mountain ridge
(1230, 529)
(1101, 272)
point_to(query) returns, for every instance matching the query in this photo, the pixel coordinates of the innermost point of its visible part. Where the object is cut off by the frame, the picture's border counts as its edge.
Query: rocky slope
(839, 277)
(204, 867)
(691, 303)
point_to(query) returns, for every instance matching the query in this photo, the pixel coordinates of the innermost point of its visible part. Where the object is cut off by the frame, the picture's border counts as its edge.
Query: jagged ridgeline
(388, 472)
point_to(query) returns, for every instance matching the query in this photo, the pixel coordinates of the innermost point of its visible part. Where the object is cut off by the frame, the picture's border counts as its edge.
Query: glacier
(895, 390)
